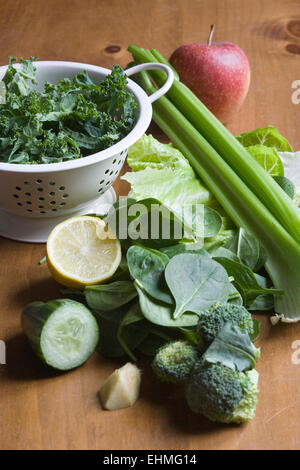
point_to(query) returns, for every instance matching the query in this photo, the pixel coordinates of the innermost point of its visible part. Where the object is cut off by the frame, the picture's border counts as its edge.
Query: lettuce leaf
(172, 188)
(162, 172)
(264, 145)
(267, 136)
(268, 158)
(274, 153)
(148, 152)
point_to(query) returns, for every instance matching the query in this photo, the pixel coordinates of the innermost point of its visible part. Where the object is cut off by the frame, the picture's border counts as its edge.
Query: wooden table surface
(43, 410)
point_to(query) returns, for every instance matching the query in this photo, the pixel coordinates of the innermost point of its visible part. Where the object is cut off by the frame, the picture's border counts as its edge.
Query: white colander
(34, 198)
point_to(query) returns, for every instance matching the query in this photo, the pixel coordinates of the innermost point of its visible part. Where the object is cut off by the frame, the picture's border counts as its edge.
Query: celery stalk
(160, 58)
(239, 201)
(255, 177)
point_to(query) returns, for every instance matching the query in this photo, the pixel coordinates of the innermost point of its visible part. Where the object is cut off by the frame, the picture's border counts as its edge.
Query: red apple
(217, 72)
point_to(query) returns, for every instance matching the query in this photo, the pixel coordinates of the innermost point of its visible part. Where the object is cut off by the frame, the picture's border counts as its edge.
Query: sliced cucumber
(63, 332)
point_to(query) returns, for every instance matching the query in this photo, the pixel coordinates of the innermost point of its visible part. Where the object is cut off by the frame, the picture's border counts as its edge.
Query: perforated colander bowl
(34, 198)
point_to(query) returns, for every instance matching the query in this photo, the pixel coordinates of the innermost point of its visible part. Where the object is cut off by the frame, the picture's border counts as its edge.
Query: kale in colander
(68, 120)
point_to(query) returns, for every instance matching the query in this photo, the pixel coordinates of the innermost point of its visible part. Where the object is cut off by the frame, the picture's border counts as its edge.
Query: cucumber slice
(63, 332)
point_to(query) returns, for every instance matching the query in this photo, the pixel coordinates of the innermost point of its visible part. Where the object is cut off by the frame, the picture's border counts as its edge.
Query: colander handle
(154, 66)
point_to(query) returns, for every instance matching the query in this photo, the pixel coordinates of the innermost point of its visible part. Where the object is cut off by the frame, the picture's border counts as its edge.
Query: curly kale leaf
(68, 120)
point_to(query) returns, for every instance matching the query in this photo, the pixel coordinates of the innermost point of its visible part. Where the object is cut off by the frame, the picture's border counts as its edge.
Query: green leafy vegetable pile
(242, 181)
(186, 301)
(164, 286)
(68, 120)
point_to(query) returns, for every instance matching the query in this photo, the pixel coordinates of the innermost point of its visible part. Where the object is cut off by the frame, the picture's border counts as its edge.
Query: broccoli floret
(211, 321)
(222, 394)
(174, 361)
(246, 409)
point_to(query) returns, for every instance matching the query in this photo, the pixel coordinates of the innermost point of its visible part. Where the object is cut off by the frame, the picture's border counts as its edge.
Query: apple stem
(212, 29)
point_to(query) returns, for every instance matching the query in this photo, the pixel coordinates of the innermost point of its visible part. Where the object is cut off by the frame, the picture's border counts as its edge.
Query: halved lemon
(81, 252)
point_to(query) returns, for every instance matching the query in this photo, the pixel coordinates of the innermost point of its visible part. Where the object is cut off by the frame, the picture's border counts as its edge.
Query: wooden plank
(44, 410)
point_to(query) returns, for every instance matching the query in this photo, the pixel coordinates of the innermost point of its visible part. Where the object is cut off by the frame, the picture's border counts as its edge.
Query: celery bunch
(246, 191)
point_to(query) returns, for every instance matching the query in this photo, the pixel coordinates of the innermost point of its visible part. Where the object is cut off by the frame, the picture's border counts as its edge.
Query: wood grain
(43, 410)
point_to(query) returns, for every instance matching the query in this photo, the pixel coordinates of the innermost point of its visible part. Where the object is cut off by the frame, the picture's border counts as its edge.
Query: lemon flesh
(80, 252)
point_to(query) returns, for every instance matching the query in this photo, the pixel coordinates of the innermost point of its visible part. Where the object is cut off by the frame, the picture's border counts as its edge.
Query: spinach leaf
(222, 252)
(232, 348)
(151, 223)
(174, 250)
(157, 337)
(286, 184)
(262, 258)
(130, 338)
(147, 267)
(212, 222)
(245, 281)
(151, 344)
(262, 302)
(109, 296)
(122, 273)
(189, 334)
(162, 314)
(158, 225)
(256, 330)
(196, 282)
(109, 345)
(72, 292)
(120, 331)
(234, 296)
(247, 250)
(146, 222)
(113, 316)
(203, 221)
(109, 340)
(126, 329)
(223, 237)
